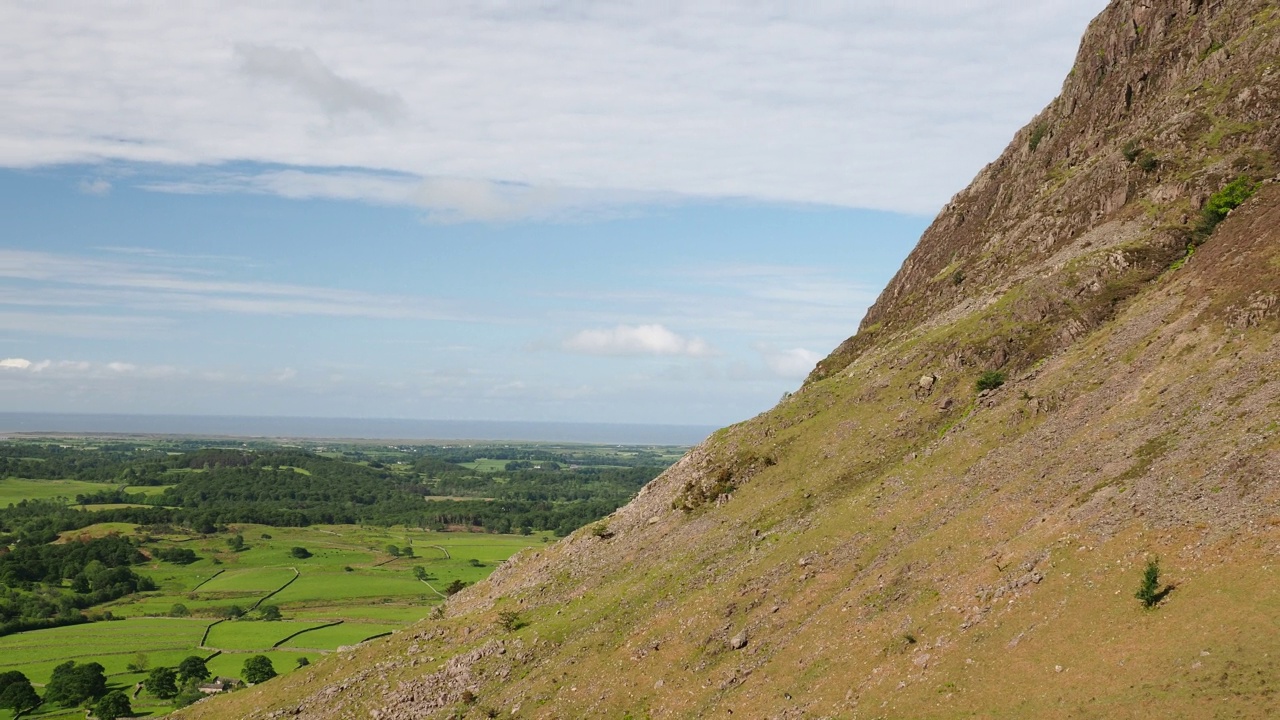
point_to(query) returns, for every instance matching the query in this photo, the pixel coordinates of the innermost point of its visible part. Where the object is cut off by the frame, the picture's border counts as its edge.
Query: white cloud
(15, 363)
(837, 103)
(97, 186)
(302, 70)
(793, 363)
(636, 340)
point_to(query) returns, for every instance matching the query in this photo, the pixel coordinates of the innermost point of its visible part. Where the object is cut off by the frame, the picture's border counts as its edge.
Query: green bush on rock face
(989, 380)
(1231, 196)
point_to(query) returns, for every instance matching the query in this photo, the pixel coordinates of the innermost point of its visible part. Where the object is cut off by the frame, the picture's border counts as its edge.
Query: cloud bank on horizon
(535, 110)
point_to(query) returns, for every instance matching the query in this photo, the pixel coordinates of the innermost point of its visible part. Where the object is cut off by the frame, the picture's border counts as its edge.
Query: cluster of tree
(175, 555)
(180, 684)
(97, 570)
(70, 685)
(103, 463)
(17, 693)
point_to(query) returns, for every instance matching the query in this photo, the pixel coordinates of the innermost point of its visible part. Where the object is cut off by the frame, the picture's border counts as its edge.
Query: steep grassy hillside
(891, 542)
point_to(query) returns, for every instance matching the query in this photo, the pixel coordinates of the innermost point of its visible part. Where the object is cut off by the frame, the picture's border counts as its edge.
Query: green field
(352, 583)
(486, 465)
(335, 636)
(250, 635)
(349, 577)
(14, 490)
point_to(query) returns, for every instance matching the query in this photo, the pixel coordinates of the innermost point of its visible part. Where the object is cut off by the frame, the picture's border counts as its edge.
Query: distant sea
(354, 428)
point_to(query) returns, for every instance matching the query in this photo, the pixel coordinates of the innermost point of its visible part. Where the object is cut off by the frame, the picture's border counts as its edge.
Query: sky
(616, 212)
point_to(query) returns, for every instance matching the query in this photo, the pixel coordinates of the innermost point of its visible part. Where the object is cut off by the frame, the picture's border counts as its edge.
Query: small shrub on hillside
(454, 587)
(1149, 590)
(300, 552)
(601, 530)
(1148, 162)
(1038, 134)
(1132, 150)
(179, 610)
(989, 380)
(510, 620)
(303, 661)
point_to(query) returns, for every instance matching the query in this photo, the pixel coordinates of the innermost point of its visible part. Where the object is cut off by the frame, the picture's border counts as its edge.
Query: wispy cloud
(301, 70)
(62, 280)
(82, 325)
(636, 340)
(445, 200)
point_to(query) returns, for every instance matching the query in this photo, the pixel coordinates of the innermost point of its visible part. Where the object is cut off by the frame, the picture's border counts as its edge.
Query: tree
(113, 705)
(231, 612)
(510, 620)
(179, 610)
(303, 661)
(393, 551)
(72, 684)
(16, 693)
(300, 552)
(1149, 590)
(257, 669)
(193, 669)
(187, 695)
(140, 663)
(407, 551)
(236, 543)
(454, 587)
(270, 612)
(163, 683)
(419, 572)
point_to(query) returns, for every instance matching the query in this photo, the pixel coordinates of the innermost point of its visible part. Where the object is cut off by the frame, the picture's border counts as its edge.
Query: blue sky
(528, 212)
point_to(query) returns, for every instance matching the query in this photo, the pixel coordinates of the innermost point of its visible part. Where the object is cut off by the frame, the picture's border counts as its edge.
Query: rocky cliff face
(892, 542)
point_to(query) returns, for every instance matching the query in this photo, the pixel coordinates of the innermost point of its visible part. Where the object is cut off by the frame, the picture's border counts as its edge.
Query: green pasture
(335, 636)
(349, 577)
(229, 664)
(254, 581)
(394, 612)
(15, 490)
(486, 465)
(113, 644)
(330, 586)
(100, 530)
(252, 634)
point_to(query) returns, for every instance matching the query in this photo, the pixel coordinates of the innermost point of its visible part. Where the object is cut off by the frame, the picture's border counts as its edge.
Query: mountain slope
(890, 542)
